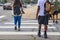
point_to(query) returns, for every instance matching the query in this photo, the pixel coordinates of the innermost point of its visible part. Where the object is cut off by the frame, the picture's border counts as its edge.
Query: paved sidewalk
(31, 12)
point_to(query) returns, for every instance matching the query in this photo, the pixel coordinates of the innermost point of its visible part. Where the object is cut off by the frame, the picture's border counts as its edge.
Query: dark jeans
(17, 19)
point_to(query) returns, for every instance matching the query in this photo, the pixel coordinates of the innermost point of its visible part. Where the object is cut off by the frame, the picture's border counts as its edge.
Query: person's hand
(23, 12)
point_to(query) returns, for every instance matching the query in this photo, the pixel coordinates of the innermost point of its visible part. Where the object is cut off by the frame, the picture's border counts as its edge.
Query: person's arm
(21, 6)
(13, 10)
(22, 10)
(38, 9)
(37, 12)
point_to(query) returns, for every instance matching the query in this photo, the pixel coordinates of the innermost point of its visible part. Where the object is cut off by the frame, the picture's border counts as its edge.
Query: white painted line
(26, 27)
(26, 23)
(21, 23)
(2, 16)
(28, 33)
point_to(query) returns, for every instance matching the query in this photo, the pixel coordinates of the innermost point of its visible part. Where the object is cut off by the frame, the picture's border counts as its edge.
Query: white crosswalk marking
(25, 23)
(30, 23)
(26, 27)
(28, 33)
(2, 16)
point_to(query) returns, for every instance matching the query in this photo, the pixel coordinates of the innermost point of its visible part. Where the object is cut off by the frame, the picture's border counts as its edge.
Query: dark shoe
(56, 22)
(45, 35)
(53, 21)
(15, 28)
(18, 29)
(39, 34)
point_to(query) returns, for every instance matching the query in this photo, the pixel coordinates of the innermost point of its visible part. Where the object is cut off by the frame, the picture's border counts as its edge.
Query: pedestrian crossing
(28, 27)
(28, 33)
(2, 16)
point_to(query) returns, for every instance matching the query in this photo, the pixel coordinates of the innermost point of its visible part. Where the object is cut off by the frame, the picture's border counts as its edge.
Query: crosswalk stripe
(28, 33)
(25, 23)
(2, 16)
(26, 27)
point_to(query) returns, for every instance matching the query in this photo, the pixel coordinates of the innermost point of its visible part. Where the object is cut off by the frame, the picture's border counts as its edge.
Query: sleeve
(38, 3)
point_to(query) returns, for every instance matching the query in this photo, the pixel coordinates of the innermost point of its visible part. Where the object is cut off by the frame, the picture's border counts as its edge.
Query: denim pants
(17, 19)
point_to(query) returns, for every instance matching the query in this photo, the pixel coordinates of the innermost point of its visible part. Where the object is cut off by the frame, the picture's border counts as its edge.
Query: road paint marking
(2, 16)
(28, 33)
(27, 27)
(26, 23)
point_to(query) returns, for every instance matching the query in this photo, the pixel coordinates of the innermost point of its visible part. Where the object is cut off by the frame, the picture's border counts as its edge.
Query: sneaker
(45, 35)
(15, 28)
(18, 29)
(39, 34)
(56, 22)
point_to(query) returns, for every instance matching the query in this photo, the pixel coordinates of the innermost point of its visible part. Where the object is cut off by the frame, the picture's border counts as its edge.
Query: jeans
(17, 19)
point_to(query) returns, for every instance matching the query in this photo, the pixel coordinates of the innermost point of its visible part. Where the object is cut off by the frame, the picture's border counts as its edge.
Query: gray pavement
(7, 31)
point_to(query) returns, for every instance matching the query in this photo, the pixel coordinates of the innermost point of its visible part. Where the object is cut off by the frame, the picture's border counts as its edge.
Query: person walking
(42, 18)
(56, 3)
(17, 13)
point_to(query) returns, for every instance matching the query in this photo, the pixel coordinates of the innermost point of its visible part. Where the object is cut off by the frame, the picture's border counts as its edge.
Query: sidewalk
(31, 12)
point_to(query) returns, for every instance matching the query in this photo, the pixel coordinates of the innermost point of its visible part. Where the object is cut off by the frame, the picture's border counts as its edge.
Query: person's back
(16, 6)
(56, 3)
(41, 4)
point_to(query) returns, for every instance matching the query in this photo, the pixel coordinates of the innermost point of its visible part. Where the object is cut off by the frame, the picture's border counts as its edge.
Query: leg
(45, 31)
(56, 18)
(39, 30)
(40, 21)
(46, 26)
(15, 22)
(19, 22)
(53, 18)
(39, 27)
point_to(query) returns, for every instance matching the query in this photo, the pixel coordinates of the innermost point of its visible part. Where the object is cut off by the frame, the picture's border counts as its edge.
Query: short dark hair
(17, 2)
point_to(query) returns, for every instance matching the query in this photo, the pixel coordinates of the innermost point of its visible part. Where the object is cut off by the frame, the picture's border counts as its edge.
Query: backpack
(47, 9)
(47, 6)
